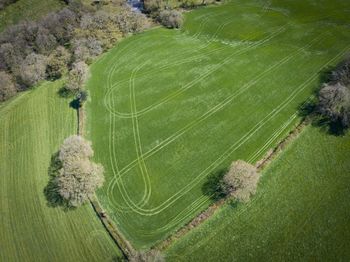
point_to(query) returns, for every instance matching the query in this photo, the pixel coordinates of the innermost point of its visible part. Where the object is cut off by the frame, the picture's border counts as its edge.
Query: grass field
(301, 211)
(32, 127)
(27, 10)
(170, 108)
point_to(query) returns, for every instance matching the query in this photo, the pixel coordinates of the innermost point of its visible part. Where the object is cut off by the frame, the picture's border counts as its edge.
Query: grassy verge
(32, 127)
(300, 213)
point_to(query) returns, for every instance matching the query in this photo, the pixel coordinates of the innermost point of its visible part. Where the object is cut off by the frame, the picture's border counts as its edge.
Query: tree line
(61, 41)
(168, 12)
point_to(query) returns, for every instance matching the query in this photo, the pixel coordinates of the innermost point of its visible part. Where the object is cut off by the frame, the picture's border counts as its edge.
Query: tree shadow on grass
(51, 191)
(212, 187)
(75, 104)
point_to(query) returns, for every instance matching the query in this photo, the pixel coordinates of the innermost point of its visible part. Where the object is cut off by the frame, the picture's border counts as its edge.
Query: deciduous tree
(241, 181)
(77, 77)
(79, 177)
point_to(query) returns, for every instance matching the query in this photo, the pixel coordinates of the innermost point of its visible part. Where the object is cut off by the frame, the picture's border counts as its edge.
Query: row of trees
(34, 51)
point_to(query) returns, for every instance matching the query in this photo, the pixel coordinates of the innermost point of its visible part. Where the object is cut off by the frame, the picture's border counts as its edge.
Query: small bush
(171, 18)
(241, 181)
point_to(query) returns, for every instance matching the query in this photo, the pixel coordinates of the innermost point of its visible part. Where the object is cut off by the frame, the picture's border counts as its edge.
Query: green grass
(27, 10)
(301, 211)
(169, 108)
(33, 125)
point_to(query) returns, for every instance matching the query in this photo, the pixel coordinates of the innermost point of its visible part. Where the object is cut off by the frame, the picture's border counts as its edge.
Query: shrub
(7, 87)
(32, 69)
(171, 18)
(129, 21)
(79, 177)
(58, 63)
(334, 103)
(240, 181)
(77, 77)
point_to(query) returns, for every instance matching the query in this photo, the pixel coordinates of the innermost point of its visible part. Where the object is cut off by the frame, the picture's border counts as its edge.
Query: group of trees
(34, 51)
(77, 177)
(334, 96)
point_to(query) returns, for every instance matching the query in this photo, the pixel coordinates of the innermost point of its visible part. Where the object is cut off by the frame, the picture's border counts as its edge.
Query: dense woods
(34, 51)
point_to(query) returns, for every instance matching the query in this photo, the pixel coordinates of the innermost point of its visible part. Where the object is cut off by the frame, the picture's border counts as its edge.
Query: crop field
(32, 127)
(27, 10)
(301, 211)
(171, 108)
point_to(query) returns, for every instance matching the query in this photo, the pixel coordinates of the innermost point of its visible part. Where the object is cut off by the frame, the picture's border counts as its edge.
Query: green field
(170, 108)
(32, 127)
(27, 10)
(301, 211)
